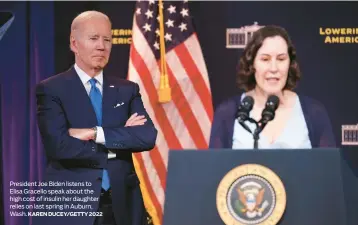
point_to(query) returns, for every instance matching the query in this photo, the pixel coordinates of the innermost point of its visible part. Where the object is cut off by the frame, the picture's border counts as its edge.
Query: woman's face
(271, 64)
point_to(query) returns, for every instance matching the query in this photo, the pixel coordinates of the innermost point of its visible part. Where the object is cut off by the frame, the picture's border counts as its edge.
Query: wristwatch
(95, 133)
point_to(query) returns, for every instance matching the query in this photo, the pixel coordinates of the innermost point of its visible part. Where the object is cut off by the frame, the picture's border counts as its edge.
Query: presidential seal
(251, 194)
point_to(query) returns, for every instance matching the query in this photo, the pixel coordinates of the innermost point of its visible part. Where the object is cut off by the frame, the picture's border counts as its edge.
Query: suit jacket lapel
(109, 98)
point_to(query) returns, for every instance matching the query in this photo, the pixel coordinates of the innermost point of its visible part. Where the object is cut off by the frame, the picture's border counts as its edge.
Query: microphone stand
(257, 132)
(256, 137)
(242, 123)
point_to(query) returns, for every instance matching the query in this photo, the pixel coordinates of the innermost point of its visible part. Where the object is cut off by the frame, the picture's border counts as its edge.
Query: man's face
(92, 43)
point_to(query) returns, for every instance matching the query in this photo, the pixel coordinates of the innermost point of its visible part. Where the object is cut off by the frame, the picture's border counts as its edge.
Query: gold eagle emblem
(250, 201)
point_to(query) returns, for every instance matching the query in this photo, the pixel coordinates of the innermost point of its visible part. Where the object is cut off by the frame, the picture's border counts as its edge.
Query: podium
(320, 186)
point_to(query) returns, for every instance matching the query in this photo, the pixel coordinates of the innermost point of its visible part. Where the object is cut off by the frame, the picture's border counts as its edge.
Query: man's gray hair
(78, 20)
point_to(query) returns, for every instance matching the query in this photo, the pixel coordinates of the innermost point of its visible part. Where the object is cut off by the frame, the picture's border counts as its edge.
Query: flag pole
(164, 92)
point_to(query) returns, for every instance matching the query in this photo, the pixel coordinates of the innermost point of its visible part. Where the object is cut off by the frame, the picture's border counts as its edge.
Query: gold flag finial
(164, 92)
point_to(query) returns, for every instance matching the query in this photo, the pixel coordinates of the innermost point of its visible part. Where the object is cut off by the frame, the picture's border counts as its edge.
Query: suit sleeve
(218, 129)
(52, 123)
(326, 137)
(134, 138)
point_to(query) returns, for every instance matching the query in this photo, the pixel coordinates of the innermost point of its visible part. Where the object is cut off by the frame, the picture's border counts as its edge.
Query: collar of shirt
(85, 77)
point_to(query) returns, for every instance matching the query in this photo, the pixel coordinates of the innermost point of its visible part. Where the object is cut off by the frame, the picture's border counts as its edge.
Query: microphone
(268, 113)
(244, 108)
(243, 112)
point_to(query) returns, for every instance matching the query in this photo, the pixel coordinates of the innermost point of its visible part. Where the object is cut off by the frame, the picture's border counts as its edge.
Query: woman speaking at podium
(268, 69)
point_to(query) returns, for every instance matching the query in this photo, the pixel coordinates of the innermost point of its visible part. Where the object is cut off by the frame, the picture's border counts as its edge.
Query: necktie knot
(93, 82)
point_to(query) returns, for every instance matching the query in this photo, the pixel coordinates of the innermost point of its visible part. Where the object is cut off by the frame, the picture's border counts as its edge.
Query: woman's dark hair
(246, 70)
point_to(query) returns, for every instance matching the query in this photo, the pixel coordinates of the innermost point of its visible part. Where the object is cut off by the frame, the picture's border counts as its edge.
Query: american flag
(185, 121)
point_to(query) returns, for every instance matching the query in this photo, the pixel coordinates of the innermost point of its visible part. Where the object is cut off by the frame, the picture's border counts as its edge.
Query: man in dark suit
(90, 125)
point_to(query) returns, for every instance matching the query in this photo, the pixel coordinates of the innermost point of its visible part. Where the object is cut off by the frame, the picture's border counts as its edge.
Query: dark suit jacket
(316, 116)
(63, 103)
